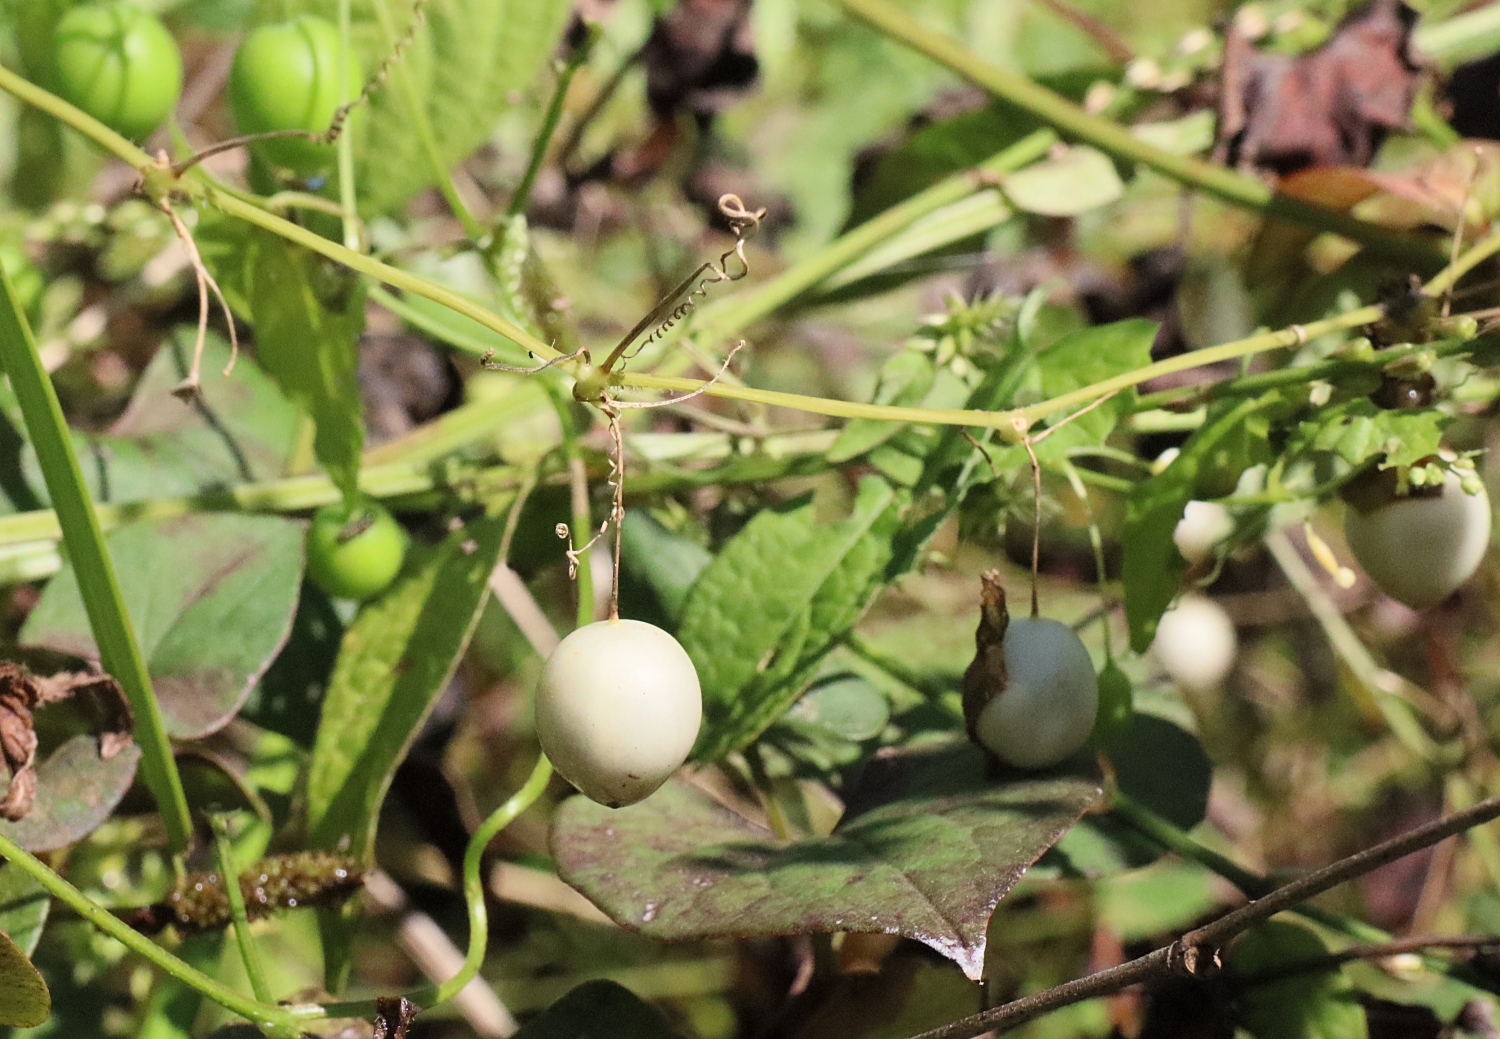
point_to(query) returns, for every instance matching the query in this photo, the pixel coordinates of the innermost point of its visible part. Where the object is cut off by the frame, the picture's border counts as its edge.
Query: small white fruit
(1196, 643)
(618, 709)
(1047, 709)
(1203, 525)
(1419, 549)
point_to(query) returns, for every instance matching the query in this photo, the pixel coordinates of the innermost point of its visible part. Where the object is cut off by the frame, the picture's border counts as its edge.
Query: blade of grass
(118, 652)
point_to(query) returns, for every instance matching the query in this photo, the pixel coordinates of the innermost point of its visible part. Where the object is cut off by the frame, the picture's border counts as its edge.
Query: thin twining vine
(593, 385)
(251, 210)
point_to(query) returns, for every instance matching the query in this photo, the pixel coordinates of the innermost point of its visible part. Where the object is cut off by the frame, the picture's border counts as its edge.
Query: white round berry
(618, 709)
(1203, 525)
(1196, 643)
(1419, 549)
(1051, 696)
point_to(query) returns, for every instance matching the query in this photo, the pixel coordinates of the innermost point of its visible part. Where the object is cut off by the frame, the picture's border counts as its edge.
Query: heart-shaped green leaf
(212, 598)
(927, 848)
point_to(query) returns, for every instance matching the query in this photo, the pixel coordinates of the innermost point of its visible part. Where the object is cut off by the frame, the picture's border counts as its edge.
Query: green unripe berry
(119, 64)
(286, 77)
(354, 549)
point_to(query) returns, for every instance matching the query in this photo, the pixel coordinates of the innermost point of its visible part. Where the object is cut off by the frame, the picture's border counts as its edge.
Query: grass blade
(119, 654)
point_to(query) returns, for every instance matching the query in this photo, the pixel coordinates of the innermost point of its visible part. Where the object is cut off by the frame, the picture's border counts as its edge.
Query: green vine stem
(229, 872)
(119, 654)
(569, 68)
(479, 928)
(1117, 141)
(233, 204)
(279, 1022)
(726, 318)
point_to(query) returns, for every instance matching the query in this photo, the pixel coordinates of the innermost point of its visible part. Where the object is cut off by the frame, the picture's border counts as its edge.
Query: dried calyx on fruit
(1419, 542)
(1030, 695)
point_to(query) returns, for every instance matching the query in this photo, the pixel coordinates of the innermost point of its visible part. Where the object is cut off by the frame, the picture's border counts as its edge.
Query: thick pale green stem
(1072, 121)
(119, 654)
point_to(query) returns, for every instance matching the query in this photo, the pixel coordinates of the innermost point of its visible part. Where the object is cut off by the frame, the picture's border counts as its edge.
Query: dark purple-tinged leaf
(928, 846)
(212, 598)
(582, 1012)
(76, 790)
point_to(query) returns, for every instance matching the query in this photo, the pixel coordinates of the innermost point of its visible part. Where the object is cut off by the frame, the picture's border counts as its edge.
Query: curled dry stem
(742, 223)
(614, 404)
(488, 363)
(190, 387)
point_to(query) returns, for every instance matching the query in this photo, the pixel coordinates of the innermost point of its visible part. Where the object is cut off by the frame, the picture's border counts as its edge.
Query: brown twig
(1196, 953)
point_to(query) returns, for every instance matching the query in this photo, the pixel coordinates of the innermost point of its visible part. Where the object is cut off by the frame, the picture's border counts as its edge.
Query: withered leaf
(21, 693)
(701, 55)
(1331, 106)
(393, 1016)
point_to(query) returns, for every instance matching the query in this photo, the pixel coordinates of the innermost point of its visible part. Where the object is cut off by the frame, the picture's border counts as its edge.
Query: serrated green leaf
(665, 562)
(24, 999)
(1083, 358)
(1312, 1005)
(1152, 567)
(395, 659)
(212, 596)
(1358, 431)
(928, 846)
(465, 59)
(308, 317)
(762, 588)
